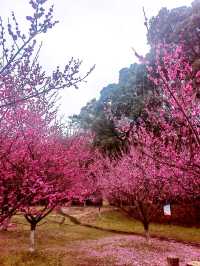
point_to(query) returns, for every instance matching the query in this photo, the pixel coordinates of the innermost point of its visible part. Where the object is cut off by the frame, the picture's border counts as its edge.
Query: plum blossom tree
(27, 108)
(136, 184)
(175, 120)
(20, 71)
(178, 116)
(162, 164)
(144, 179)
(42, 168)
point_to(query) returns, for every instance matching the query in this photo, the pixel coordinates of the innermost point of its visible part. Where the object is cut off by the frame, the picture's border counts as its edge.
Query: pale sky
(100, 32)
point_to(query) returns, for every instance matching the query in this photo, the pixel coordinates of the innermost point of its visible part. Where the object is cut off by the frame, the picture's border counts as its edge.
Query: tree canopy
(127, 99)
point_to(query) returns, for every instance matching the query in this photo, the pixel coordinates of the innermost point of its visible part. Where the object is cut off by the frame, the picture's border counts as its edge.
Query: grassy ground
(118, 221)
(60, 245)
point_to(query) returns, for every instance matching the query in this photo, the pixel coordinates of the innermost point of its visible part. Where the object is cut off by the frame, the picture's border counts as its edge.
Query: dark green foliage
(124, 100)
(128, 97)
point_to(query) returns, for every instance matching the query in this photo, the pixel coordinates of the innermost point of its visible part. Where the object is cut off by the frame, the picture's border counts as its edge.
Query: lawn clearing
(73, 245)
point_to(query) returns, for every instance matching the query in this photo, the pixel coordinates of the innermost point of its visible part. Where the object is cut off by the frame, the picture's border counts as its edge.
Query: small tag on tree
(167, 210)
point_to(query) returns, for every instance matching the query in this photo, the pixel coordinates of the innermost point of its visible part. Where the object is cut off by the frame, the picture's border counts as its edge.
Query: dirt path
(133, 251)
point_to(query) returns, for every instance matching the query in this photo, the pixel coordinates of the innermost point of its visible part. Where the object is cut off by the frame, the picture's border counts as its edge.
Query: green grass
(118, 221)
(55, 242)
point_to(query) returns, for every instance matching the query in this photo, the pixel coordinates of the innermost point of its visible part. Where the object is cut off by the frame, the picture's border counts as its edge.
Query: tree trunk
(32, 238)
(147, 235)
(146, 230)
(99, 211)
(173, 261)
(144, 218)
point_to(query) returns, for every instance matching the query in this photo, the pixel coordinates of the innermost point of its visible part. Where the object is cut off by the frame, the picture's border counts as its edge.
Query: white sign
(167, 209)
